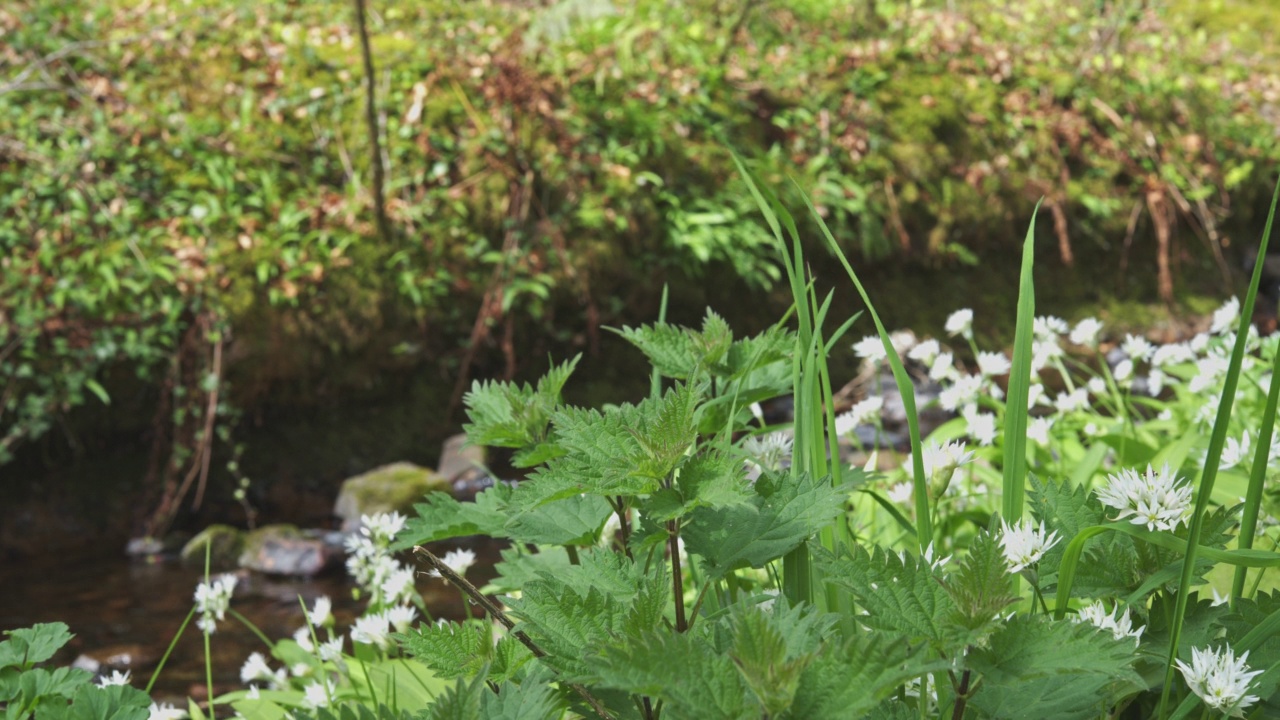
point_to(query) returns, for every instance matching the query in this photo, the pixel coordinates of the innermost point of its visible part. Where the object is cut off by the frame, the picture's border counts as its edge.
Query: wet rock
(225, 545)
(457, 458)
(104, 660)
(286, 550)
(394, 487)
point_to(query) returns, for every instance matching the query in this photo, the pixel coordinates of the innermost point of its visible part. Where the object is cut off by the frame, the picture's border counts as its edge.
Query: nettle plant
(675, 558)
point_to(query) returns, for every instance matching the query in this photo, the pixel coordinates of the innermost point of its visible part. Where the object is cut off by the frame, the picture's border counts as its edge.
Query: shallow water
(113, 604)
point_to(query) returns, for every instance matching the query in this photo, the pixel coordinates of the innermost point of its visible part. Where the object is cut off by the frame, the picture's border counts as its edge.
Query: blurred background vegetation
(189, 248)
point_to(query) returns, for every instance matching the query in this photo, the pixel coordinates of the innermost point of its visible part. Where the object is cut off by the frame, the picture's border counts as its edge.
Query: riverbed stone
(390, 488)
(225, 543)
(457, 457)
(286, 550)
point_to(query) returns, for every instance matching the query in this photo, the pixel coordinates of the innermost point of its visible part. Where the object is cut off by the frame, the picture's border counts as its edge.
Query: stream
(116, 606)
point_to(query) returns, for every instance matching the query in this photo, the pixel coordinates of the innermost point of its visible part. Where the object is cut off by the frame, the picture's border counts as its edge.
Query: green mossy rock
(395, 487)
(225, 545)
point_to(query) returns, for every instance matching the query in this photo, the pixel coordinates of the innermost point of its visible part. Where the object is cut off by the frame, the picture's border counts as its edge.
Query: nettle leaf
(981, 585)
(1201, 626)
(747, 356)
(505, 414)
(463, 700)
(769, 666)
(454, 650)
(1110, 561)
(775, 521)
(519, 567)
(442, 517)
(533, 699)
(709, 479)
(683, 670)
(900, 593)
(28, 646)
(1036, 667)
(627, 451)
(678, 352)
(570, 614)
(573, 520)
(853, 679)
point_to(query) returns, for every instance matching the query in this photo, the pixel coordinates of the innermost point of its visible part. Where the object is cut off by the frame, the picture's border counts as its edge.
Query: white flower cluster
(770, 452)
(1220, 679)
(864, 412)
(213, 598)
(1155, 499)
(1023, 545)
(1119, 624)
(372, 565)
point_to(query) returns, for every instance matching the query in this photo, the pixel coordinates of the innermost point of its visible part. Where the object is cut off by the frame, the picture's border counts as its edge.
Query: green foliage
(504, 414)
(28, 691)
(1035, 667)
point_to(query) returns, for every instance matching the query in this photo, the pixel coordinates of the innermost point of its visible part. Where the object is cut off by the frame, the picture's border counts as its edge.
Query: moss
(390, 488)
(225, 543)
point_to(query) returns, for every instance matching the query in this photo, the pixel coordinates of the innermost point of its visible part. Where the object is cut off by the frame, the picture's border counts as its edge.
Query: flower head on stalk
(1220, 679)
(1023, 545)
(213, 598)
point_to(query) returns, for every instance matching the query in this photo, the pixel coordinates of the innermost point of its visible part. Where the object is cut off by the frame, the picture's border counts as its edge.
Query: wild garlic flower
(940, 464)
(1208, 371)
(1023, 545)
(1077, 399)
(993, 364)
(966, 390)
(401, 617)
(1086, 332)
(317, 695)
(767, 452)
(399, 587)
(1172, 354)
(864, 412)
(1155, 382)
(165, 712)
(926, 352)
(256, 668)
(1123, 373)
(382, 528)
(116, 678)
(331, 649)
(212, 601)
(1097, 386)
(1224, 318)
(982, 427)
(1220, 679)
(372, 629)
(870, 349)
(1048, 326)
(1154, 499)
(1137, 347)
(901, 493)
(960, 323)
(943, 368)
(302, 636)
(1235, 451)
(321, 613)
(1120, 624)
(1038, 430)
(456, 560)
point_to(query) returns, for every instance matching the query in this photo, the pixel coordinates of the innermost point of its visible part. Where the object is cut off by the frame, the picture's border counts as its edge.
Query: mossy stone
(283, 549)
(390, 488)
(225, 545)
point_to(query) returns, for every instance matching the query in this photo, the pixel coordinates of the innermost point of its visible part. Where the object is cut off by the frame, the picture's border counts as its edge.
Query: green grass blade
(924, 523)
(655, 380)
(1015, 417)
(1216, 440)
(1257, 478)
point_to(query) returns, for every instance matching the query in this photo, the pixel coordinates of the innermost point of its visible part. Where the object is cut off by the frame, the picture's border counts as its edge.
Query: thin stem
(572, 551)
(962, 698)
(254, 628)
(677, 577)
(371, 119)
(496, 613)
(172, 644)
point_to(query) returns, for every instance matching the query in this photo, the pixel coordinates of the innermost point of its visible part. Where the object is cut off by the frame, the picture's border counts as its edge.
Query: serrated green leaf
(451, 650)
(899, 593)
(442, 517)
(766, 527)
(760, 652)
(464, 700)
(980, 586)
(683, 670)
(573, 520)
(851, 680)
(505, 414)
(532, 699)
(1036, 667)
(519, 567)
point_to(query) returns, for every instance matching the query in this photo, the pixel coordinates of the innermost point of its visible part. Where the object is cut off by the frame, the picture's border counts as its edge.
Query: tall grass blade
(924, 523)
(1216, 440)
(1015, 417)
(1257, 477)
